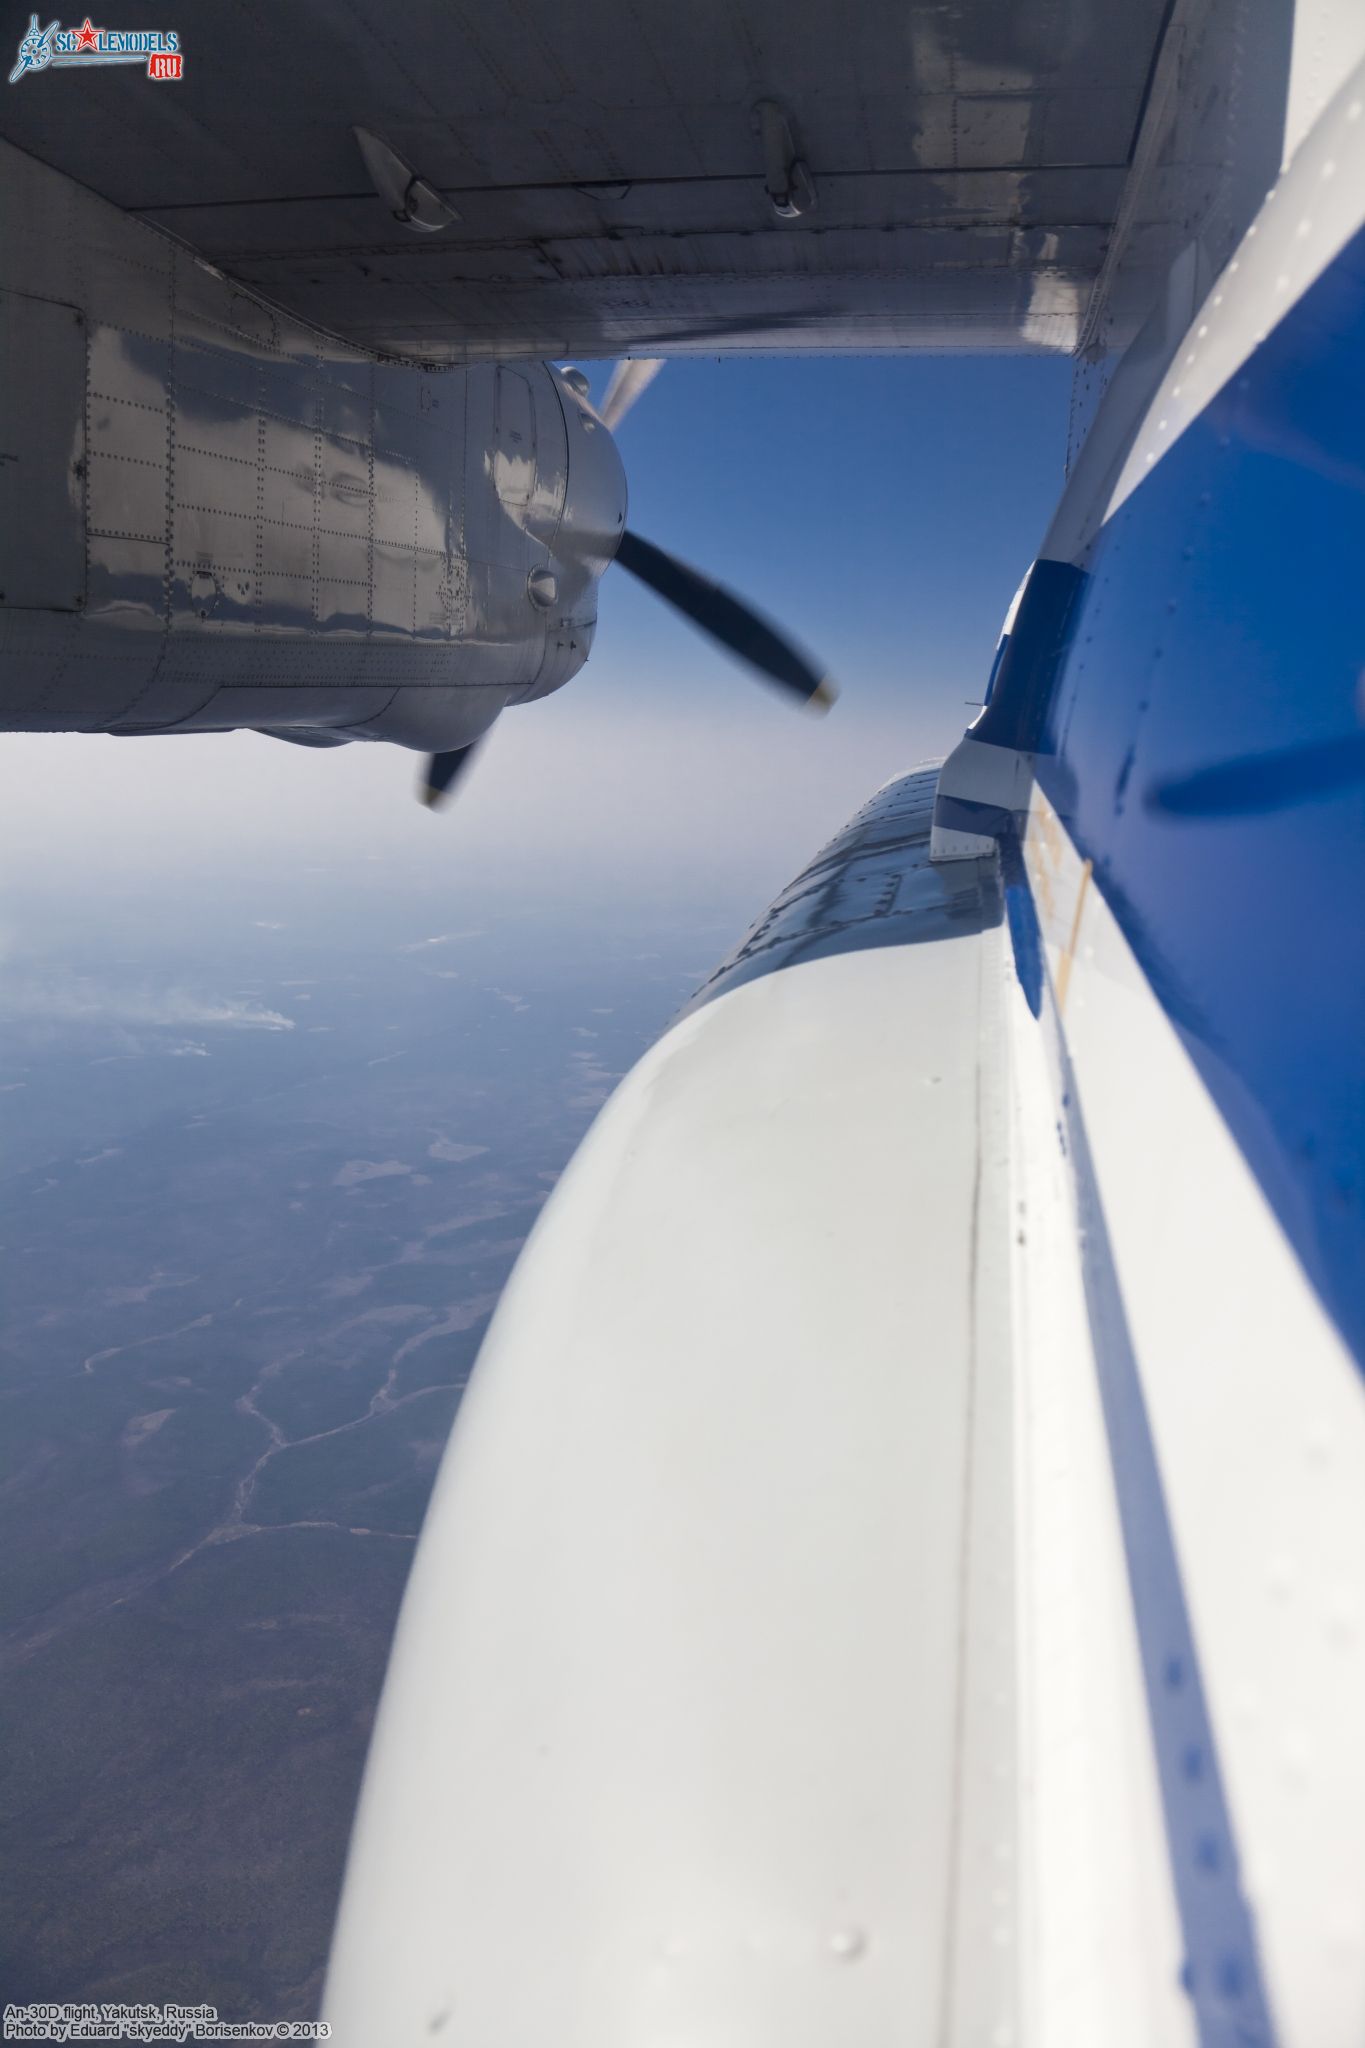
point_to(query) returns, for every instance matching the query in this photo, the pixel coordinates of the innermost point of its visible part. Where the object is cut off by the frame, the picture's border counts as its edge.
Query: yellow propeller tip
(822, 697)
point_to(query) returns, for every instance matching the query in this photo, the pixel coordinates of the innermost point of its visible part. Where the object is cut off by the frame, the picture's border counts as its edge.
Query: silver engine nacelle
(587, 532)
(218, 517)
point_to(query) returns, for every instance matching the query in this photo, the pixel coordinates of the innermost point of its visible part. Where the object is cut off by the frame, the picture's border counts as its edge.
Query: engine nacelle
(218, 517)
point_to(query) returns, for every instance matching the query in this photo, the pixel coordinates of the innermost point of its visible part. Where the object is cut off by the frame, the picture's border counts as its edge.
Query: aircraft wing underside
(986, 176)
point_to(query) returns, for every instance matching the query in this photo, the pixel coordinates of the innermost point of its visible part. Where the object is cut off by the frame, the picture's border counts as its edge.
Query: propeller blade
(632, 376)
(726, 619)
(443, 772)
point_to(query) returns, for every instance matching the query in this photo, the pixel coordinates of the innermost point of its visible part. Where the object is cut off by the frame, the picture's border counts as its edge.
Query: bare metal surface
(610, 181)
(42, 454)
(223, 517)
(873, 886)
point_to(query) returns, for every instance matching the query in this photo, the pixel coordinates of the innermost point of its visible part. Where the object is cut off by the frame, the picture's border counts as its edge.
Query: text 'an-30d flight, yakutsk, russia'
(939, 1613)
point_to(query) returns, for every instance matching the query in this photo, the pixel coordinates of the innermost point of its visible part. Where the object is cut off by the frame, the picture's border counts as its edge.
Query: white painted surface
(984, 774)
(976, 772)
(1329, 42)
(667, 1752)
(1101, 1940)
(949, 846)
(1258, 1414)
(1307, 219)
(768, 1672)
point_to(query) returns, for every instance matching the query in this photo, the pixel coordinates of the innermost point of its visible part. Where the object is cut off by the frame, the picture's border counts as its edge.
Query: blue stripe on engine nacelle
(1203, 747)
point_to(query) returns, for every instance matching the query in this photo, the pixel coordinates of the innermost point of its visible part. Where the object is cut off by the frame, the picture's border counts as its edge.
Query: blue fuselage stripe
(1204, 748)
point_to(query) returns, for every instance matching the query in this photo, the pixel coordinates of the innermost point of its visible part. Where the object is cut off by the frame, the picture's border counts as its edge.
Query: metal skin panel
(1194, 716)
(1184, 809)
(970, 166)
(767, 1671)
(278, 466)
(909, 1179)
(594, 162)
(873, 886)
(271, 528)
(42, 454)
(1257, 1419)
(1197, 772)
(775, 1866)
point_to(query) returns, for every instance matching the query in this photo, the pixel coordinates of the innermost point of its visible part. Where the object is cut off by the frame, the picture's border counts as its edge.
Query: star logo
(157, 50)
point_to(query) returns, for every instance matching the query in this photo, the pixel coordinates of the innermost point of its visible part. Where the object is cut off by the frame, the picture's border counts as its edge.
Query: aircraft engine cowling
(585, 536)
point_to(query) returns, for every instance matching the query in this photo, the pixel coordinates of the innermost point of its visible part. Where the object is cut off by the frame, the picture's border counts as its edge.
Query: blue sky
(882, 509)
(885, 507)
